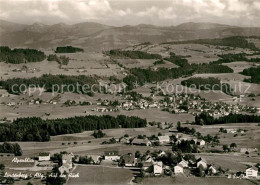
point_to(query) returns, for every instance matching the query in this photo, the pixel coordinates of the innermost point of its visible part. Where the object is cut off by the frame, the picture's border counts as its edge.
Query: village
(155, 162)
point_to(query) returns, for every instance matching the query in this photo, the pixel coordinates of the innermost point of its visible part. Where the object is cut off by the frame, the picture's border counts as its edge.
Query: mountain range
(96, 37)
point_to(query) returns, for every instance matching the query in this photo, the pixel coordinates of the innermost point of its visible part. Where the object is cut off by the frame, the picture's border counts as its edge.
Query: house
(149, 159)
(184, 163)
(146, 165)
(243, 150)
(231, 130)
(95, 158)
(178, 169)
(164, 139)
(67, 160)
(11, 104)
(162, 153)
(157, 168)
(112, 155)
(201, 142)
(212, 169)
(201, 162)
(63, 170)
(129, 159)
(44, 156)
(125, 140)
(251, 172)
(142, 142)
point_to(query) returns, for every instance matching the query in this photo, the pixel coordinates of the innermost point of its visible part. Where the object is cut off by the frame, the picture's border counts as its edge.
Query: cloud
(122, 12)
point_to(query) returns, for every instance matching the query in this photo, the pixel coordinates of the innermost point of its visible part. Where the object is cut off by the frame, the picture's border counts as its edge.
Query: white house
(201, 162)
(112, 155)
(95, 158)
(142, 142)
(231, 130)
(162, 153)
(164, 139)
(44, 156)
(63, 169)
(201, 142)
(178, 169)
(125, 140)
(212, 169)
(184, 163)
(157, 168)
(149, 159)
(251, 172)
(67, 160)
(243, 150)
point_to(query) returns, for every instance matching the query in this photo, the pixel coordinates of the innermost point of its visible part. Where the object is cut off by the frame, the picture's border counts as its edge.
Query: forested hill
(206, 119)
(18, 55)
(37, 129)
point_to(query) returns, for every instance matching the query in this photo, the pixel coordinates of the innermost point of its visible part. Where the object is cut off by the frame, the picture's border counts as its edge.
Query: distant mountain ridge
(95, 37)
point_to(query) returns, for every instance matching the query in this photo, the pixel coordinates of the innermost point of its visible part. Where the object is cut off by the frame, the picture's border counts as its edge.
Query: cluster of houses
(38, 101)
(162, 140)
(177, 103)
(151, 166)
(158, 168)
(67, 164)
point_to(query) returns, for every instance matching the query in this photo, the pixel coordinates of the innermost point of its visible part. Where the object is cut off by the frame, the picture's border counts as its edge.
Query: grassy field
(195, 180)
(98, 175)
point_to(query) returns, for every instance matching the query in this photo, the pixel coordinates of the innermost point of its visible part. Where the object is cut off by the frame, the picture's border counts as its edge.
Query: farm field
(195, 180)
(97, 175)
(162, 103)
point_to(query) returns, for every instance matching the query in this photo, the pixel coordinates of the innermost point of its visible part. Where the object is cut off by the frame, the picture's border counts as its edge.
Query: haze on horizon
(132, 12)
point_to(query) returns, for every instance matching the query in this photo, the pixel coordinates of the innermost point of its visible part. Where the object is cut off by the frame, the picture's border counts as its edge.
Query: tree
(200, 171)
(98, 134)
(178, 125)
(222, 130)
(9, 180)
(225, 148)
(55, 180)
(233, 145)
(137, 154)
(2, 166)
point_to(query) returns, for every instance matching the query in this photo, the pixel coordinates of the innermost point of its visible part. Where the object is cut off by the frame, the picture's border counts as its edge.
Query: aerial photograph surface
(129, 92)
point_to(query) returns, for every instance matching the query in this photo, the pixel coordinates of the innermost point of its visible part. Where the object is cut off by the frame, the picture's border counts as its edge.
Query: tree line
(61, 82)
(207, 84)
(254, 73)
(18, 55)
(37, 129)
(148, 75)
(132, 54)
(233, 41)
(206, 119)
(68, 49)
(63, 60)
(228, 58)
(11, 148)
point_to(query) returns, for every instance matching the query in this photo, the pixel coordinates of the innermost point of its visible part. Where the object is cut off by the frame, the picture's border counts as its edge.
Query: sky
(132, 12)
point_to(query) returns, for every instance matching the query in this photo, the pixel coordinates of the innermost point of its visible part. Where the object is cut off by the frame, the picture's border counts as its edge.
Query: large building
(44, 156)
(129, 159)
(201, 162)
(157, 168)
(164, 139)
(112, 155)
(251, 172)
(178, 169)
